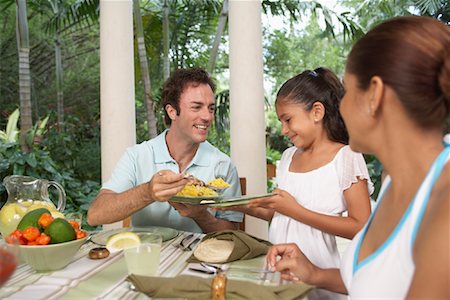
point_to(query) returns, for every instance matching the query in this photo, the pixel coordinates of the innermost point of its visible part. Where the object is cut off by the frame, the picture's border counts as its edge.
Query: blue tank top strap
(435, 171)
(356, 266)
(438, 166)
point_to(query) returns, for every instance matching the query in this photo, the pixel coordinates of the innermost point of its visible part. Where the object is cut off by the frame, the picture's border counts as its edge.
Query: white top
(387, 273)
(319, 190)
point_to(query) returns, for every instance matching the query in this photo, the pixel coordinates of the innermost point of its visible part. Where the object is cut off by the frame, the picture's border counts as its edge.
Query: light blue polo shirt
(141, 161)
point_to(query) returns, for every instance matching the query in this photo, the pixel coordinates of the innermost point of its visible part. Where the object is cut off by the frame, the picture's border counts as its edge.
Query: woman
(396, 104)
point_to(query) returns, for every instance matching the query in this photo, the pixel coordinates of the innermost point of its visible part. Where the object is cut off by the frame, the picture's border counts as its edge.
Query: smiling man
(149, 174)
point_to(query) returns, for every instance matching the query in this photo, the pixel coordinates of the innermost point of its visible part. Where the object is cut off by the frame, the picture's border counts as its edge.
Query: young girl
(319, 178)
(396, 105)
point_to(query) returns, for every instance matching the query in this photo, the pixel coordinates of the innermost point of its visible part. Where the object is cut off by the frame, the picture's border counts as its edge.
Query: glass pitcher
(25, 194)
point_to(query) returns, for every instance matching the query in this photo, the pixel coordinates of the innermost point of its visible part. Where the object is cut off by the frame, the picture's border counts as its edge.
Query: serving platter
(235, 201)
(192, 199)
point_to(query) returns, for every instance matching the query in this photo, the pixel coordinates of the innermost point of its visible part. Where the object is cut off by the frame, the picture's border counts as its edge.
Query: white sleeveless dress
(320, 190)
(387, 273)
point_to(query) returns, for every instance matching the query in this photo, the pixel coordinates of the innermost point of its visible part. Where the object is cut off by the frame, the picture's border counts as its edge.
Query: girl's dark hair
(320, 85)
(177, 83)
(412, 56)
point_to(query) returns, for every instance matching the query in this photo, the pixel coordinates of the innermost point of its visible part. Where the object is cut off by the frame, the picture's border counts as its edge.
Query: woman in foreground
(396, 104)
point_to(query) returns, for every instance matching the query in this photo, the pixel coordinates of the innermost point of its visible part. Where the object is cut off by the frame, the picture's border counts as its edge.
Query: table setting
(109, 278)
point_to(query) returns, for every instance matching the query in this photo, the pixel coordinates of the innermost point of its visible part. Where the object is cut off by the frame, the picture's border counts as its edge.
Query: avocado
(31, 218)
(60, 231)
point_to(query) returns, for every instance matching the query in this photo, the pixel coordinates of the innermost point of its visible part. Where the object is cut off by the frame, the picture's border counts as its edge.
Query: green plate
(193, 200)
(166, 233)
(225, 202)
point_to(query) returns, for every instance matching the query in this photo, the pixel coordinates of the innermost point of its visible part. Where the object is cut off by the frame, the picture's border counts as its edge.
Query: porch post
(117, 107)
(247, 130)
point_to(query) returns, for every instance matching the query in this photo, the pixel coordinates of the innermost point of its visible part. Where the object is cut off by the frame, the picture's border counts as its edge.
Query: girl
(396, 106)
(319, 177)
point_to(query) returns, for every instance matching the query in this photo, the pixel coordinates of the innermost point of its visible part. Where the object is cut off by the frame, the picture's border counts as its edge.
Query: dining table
(86, 278)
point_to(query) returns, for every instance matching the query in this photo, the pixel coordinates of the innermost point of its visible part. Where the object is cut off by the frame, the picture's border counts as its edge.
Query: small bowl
(50, 257)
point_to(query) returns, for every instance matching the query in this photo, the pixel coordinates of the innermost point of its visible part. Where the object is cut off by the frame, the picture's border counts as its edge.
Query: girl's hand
(281, 201)
(292, 263)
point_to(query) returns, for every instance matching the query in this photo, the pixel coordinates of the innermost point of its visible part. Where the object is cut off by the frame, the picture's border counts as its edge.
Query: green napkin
(192, 287)
(245, 246)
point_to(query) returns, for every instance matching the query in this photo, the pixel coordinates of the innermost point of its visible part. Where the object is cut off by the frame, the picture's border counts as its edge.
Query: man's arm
(109, 206)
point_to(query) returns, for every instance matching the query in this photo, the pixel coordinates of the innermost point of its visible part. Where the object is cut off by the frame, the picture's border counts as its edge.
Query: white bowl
(50, 257)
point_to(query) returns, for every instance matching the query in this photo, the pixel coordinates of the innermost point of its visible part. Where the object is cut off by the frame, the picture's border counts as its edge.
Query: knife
(202, 271)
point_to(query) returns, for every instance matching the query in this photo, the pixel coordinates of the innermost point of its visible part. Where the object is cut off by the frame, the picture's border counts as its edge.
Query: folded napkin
(245, 246)
(192, 287)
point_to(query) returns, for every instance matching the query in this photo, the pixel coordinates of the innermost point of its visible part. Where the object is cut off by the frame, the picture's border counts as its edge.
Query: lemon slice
(122, 241)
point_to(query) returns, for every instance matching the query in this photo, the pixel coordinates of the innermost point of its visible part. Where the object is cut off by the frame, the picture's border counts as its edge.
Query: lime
(122, 241)
(31, 218)
(60, 231)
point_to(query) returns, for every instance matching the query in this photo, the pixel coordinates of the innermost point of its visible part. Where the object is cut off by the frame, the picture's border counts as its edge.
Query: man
(149, 174)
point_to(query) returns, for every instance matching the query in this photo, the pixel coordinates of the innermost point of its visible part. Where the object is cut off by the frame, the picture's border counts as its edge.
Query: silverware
(181, 244)
(213, 268)
(190, 244)
(195, 181)
(202, 271)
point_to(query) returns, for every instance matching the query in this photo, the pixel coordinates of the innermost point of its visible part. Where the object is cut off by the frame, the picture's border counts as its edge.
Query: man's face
(196, 113)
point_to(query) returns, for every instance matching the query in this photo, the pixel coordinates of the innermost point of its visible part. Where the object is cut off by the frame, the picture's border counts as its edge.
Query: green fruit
(31, 218)
(60, 231)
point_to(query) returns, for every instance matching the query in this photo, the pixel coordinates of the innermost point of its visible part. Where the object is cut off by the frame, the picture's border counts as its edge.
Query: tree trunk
(151, 121)
(59, 82)
(24, 72)
(166, 64)
(220, 28)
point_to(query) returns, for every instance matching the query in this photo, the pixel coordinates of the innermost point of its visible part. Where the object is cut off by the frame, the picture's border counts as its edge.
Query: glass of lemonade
(144, 259)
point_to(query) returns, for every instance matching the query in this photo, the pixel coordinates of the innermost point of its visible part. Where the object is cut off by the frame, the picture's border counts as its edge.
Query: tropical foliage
(63, 68)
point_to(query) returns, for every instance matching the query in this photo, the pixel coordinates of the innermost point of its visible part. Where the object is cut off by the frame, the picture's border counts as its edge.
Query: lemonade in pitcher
(24, 195)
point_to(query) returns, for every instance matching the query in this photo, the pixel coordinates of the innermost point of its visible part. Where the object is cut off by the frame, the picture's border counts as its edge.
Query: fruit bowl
(50, 257)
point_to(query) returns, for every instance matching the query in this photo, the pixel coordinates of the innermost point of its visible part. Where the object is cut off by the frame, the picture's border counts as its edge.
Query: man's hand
(188, 210)
(165, 184)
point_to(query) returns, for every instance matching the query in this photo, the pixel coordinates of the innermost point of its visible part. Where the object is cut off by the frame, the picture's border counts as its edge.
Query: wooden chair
(242, 181)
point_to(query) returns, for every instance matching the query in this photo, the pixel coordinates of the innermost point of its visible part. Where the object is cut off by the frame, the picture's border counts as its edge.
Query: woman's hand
(290, 261)
(281, 201)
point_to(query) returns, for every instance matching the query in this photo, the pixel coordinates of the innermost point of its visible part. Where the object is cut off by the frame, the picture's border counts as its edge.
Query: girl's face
(297, 123)
(354, 112)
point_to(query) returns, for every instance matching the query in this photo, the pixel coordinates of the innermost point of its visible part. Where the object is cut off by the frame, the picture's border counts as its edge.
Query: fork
(189, 246)
(199, 182)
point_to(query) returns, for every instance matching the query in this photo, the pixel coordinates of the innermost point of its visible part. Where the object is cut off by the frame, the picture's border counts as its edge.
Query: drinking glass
(9, 258)
(144, 259)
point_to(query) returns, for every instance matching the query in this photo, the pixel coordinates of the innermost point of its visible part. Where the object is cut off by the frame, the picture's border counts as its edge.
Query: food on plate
(196, 191)
(219, 183)
(214, 250)
(122, 240)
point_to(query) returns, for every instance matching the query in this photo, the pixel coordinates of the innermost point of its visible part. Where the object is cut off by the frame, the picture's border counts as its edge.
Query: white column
(248, 146)
(117, 107)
